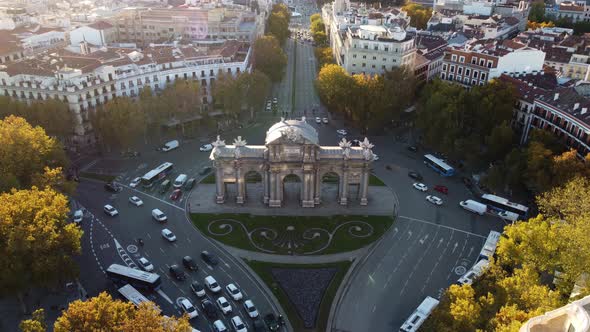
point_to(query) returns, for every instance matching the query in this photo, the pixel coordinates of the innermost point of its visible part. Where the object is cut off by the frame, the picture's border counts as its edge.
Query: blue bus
(438, 165)
(501, 204)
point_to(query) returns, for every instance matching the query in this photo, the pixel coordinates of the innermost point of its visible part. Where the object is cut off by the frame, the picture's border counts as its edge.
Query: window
(372, 66)
(354, 64)
(376, 48)
(386, 49)
(462, 59)
(354, 56)
(483, 76)
(364, 56)
(450, 77)
(460, 71)
(444, 67)
(452, 69)
(467, 71)
(442, 76)
(475, 74)
(374, 58)
(454, 57)
(364, 64)
(482, 62)
(489, 63)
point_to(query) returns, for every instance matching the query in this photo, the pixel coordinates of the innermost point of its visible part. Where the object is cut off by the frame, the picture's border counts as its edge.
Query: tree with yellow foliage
(102, 313)
(37, 244)
(36, 323)
(419, 15)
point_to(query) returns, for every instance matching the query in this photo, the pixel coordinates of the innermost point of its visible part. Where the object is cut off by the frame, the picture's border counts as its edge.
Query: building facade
(292, 150)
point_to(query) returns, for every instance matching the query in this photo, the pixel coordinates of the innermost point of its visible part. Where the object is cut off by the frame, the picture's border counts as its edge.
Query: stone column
(220, 198)
(307, 197)
(364, 186)
(318, 186)
(274, 200)
(240, 184)
(343, 192)
(265, 180)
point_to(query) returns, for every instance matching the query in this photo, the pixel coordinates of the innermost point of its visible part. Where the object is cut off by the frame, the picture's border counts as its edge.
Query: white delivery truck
(477, 270)
(419, 315)
(170, 146)
(474, 206)
(180, 181)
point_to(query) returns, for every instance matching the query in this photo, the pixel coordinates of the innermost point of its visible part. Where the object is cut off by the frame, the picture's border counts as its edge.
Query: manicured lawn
(96, 176)
(264, 270)
(375, 181)
(210, 179)
(290, 231)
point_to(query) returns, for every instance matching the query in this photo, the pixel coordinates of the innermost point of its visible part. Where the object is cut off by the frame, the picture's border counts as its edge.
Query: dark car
(209, 309)
(412, 148)
(209, 258)
(112, 187)
(441, 189)
(190, 184)
(176, 194)
(258, 326)
(272, 322)
(177, 272)
(205, 170)
(415, 175)
(189, 263)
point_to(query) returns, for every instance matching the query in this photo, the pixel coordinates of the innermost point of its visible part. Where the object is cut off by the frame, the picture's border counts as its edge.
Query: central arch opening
(291, 189)
(253, 186)
(330, 187)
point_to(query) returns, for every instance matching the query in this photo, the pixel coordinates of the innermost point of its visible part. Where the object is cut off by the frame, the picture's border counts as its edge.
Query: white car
(325, 120)
(318, 120)
(375, 157)
(110, 210)
(135, 201)
(434, 200)
(135, 182)
(342, 132)
(206, 147)
(212, 284)
(234, 292)
(250, 309)
(223, 305)
(168, 235)
(78, 216)
(238, 325)
(420, 186)
(218, 326)
(145, 264)
(188, 307)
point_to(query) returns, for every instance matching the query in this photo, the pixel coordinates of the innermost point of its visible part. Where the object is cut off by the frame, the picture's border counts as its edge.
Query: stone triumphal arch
(292, 153)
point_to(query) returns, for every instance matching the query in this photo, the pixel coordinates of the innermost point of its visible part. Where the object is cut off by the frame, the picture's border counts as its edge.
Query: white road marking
(163, 295)
(443, 226)
(374, 308)
(154, 197)
(162, 250)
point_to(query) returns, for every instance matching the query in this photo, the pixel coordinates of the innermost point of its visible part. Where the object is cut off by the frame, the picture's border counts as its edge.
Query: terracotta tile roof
(100, 25)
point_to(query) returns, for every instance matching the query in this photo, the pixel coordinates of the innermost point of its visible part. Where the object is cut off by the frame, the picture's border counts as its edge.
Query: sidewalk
(296, 259)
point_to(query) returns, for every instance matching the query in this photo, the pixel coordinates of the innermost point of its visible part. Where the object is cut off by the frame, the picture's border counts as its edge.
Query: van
(477, 270)
(419, 315)
(164, 186)
(170, 146)
(180, 181)
(159, 215)
(474, 206)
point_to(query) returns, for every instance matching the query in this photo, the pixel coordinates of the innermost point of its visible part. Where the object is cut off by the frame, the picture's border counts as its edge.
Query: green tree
(227, 92)
(538, 167)
(37, 244)
(255, 88)
(499, 142)
(315, 17)
(270, 58)
(184, 100)
(25, 152)
(333, 84)
(537, 12)
(278, 22)
(324, 56)
(119, 123)
(320, 38)
(419, 15)
(102, 313)
(36, 323)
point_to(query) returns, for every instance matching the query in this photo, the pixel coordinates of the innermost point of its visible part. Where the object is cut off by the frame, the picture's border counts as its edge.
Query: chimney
(576, 106)
(556, 96)
(584, 110)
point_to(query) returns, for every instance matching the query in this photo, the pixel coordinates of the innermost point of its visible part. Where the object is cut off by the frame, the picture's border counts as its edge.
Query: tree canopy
(278, 22)
(419, 15)
(270, 58)
(102, 313)
(119, 123)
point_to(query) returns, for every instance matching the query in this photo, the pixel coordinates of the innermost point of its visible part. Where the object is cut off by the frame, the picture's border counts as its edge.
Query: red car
(441, 189)
(176, 194)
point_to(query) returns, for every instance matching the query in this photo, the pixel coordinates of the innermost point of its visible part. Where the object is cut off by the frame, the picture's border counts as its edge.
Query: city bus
(133, 295)
(489, 247)
(501, 204)
(156, 174)
(419, 315)
(439, 165)
(121, 274)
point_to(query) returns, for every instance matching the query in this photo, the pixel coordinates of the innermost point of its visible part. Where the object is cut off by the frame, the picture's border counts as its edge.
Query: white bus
(133, 295)
(122, 275)
(489, 247)
(438, 165)
(419, 315)
(501, 204)
(476, 271)
(156, 174)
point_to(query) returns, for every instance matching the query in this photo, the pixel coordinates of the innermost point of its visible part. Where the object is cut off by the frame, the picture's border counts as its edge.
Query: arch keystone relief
(292, 156)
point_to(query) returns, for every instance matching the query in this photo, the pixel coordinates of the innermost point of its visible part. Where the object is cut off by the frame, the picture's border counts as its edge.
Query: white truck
(170, 146)
(474, 206)
(419, 315)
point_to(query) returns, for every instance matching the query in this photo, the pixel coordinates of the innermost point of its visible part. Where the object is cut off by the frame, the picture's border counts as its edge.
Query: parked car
(218, 326)
(206, 147)
(189, 263)
(441, 189)
(169, 146)
(420, 186)
(135, 182)
(209, 309)
(112, 187)
(272, 322)
(198, 289)
(176, 194)
(168, 235)
(188, 307)
(135, 201)
(212, 284)
(259, 326)
(205, 170)
(238, 325)
(434, 200)
(110, 210)
(234, 292)
(177, 272)
(78, 216)
(342, 132)
(209, 258)
(223, 305)
(145, 264)
(415, 175)
(325, 120)
(190, 184)
(250, 309)
(412, 148)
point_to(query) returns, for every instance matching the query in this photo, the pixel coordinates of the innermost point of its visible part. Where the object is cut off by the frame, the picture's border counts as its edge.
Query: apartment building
(93, 77)
(25, 41)
(429, 56)
(478, 62)
(194, 24)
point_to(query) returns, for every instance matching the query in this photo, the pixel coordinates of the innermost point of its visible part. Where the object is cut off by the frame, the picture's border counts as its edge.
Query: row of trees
(539, 19)
(247, 90)
(366, 100)
(318, 30)
(278, 22)
(269, 57)
(418, 14)
(103, 313)
(538, 263)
